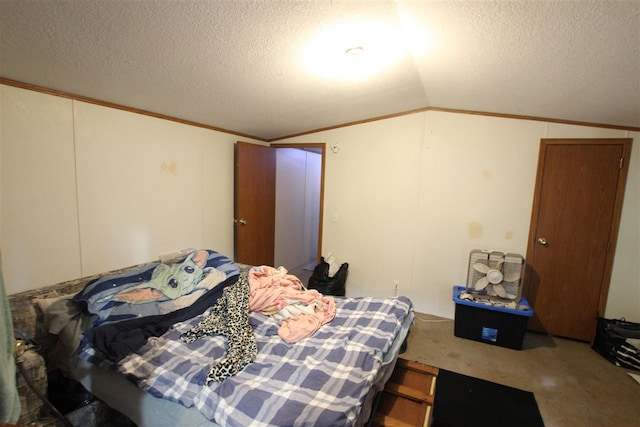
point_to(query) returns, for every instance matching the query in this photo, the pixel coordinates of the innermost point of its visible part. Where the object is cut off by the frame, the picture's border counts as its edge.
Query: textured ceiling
(244, 66)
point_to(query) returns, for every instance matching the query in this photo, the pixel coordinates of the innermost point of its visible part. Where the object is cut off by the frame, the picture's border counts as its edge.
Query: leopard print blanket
(229, 318)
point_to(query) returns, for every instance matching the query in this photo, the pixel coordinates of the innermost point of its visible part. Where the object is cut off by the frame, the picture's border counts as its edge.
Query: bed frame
(45, 355)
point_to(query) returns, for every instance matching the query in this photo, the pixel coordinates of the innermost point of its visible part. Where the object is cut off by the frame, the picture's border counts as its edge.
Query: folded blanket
(155, 288)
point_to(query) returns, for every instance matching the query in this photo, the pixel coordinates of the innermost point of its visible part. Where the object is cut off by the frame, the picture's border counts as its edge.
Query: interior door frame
(615, 224)
(315, 146)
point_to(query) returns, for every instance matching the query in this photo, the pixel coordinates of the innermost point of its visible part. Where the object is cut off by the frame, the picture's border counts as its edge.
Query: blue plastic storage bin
(490, 323)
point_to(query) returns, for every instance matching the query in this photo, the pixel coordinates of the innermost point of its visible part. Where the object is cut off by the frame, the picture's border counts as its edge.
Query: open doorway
(299, 178)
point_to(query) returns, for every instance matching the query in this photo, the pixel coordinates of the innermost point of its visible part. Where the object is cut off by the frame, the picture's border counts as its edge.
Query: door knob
(542, 241)
(240, 221)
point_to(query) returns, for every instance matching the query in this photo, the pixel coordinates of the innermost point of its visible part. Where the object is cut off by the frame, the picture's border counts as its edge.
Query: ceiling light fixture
(354, 52)
(337, 50)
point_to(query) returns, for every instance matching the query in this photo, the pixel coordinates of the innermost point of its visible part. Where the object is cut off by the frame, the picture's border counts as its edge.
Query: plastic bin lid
(524, 309)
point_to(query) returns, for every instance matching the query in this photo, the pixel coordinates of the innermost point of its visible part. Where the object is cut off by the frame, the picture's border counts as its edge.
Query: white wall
(297, 207)
(40, 241)
(88, 189)
(313, 179)
(414, 194)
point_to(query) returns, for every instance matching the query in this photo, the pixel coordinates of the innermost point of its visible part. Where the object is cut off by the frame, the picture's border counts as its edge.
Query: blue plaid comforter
(321, 380)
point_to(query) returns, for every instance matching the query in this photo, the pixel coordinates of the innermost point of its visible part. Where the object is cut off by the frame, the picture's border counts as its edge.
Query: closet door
(574, 226)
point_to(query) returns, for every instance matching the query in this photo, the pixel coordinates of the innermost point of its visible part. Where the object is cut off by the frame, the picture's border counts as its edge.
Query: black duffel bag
(612, 342)
(329, 285)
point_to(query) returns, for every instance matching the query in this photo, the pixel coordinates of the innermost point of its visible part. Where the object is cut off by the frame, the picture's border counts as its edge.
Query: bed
(208, 342)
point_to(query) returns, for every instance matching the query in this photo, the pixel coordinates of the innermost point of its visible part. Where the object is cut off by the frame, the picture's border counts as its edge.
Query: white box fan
(495, 274)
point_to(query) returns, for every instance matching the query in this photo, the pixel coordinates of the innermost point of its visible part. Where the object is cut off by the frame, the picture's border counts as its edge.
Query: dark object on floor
(405, 343)
(326, 285)
(97, 414)
(612, 342)
(463, 401)
(66, 394)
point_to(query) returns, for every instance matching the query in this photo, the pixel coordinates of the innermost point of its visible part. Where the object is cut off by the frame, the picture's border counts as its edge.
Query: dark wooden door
(254, 204)
(577, 205)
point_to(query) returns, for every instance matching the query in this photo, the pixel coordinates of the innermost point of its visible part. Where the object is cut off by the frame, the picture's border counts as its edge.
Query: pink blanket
(276, 293)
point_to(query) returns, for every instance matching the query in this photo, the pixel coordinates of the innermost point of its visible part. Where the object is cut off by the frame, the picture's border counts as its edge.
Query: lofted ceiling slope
(265, 68)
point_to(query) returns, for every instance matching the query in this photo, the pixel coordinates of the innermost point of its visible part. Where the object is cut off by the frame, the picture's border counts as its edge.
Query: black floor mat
(463, 401)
